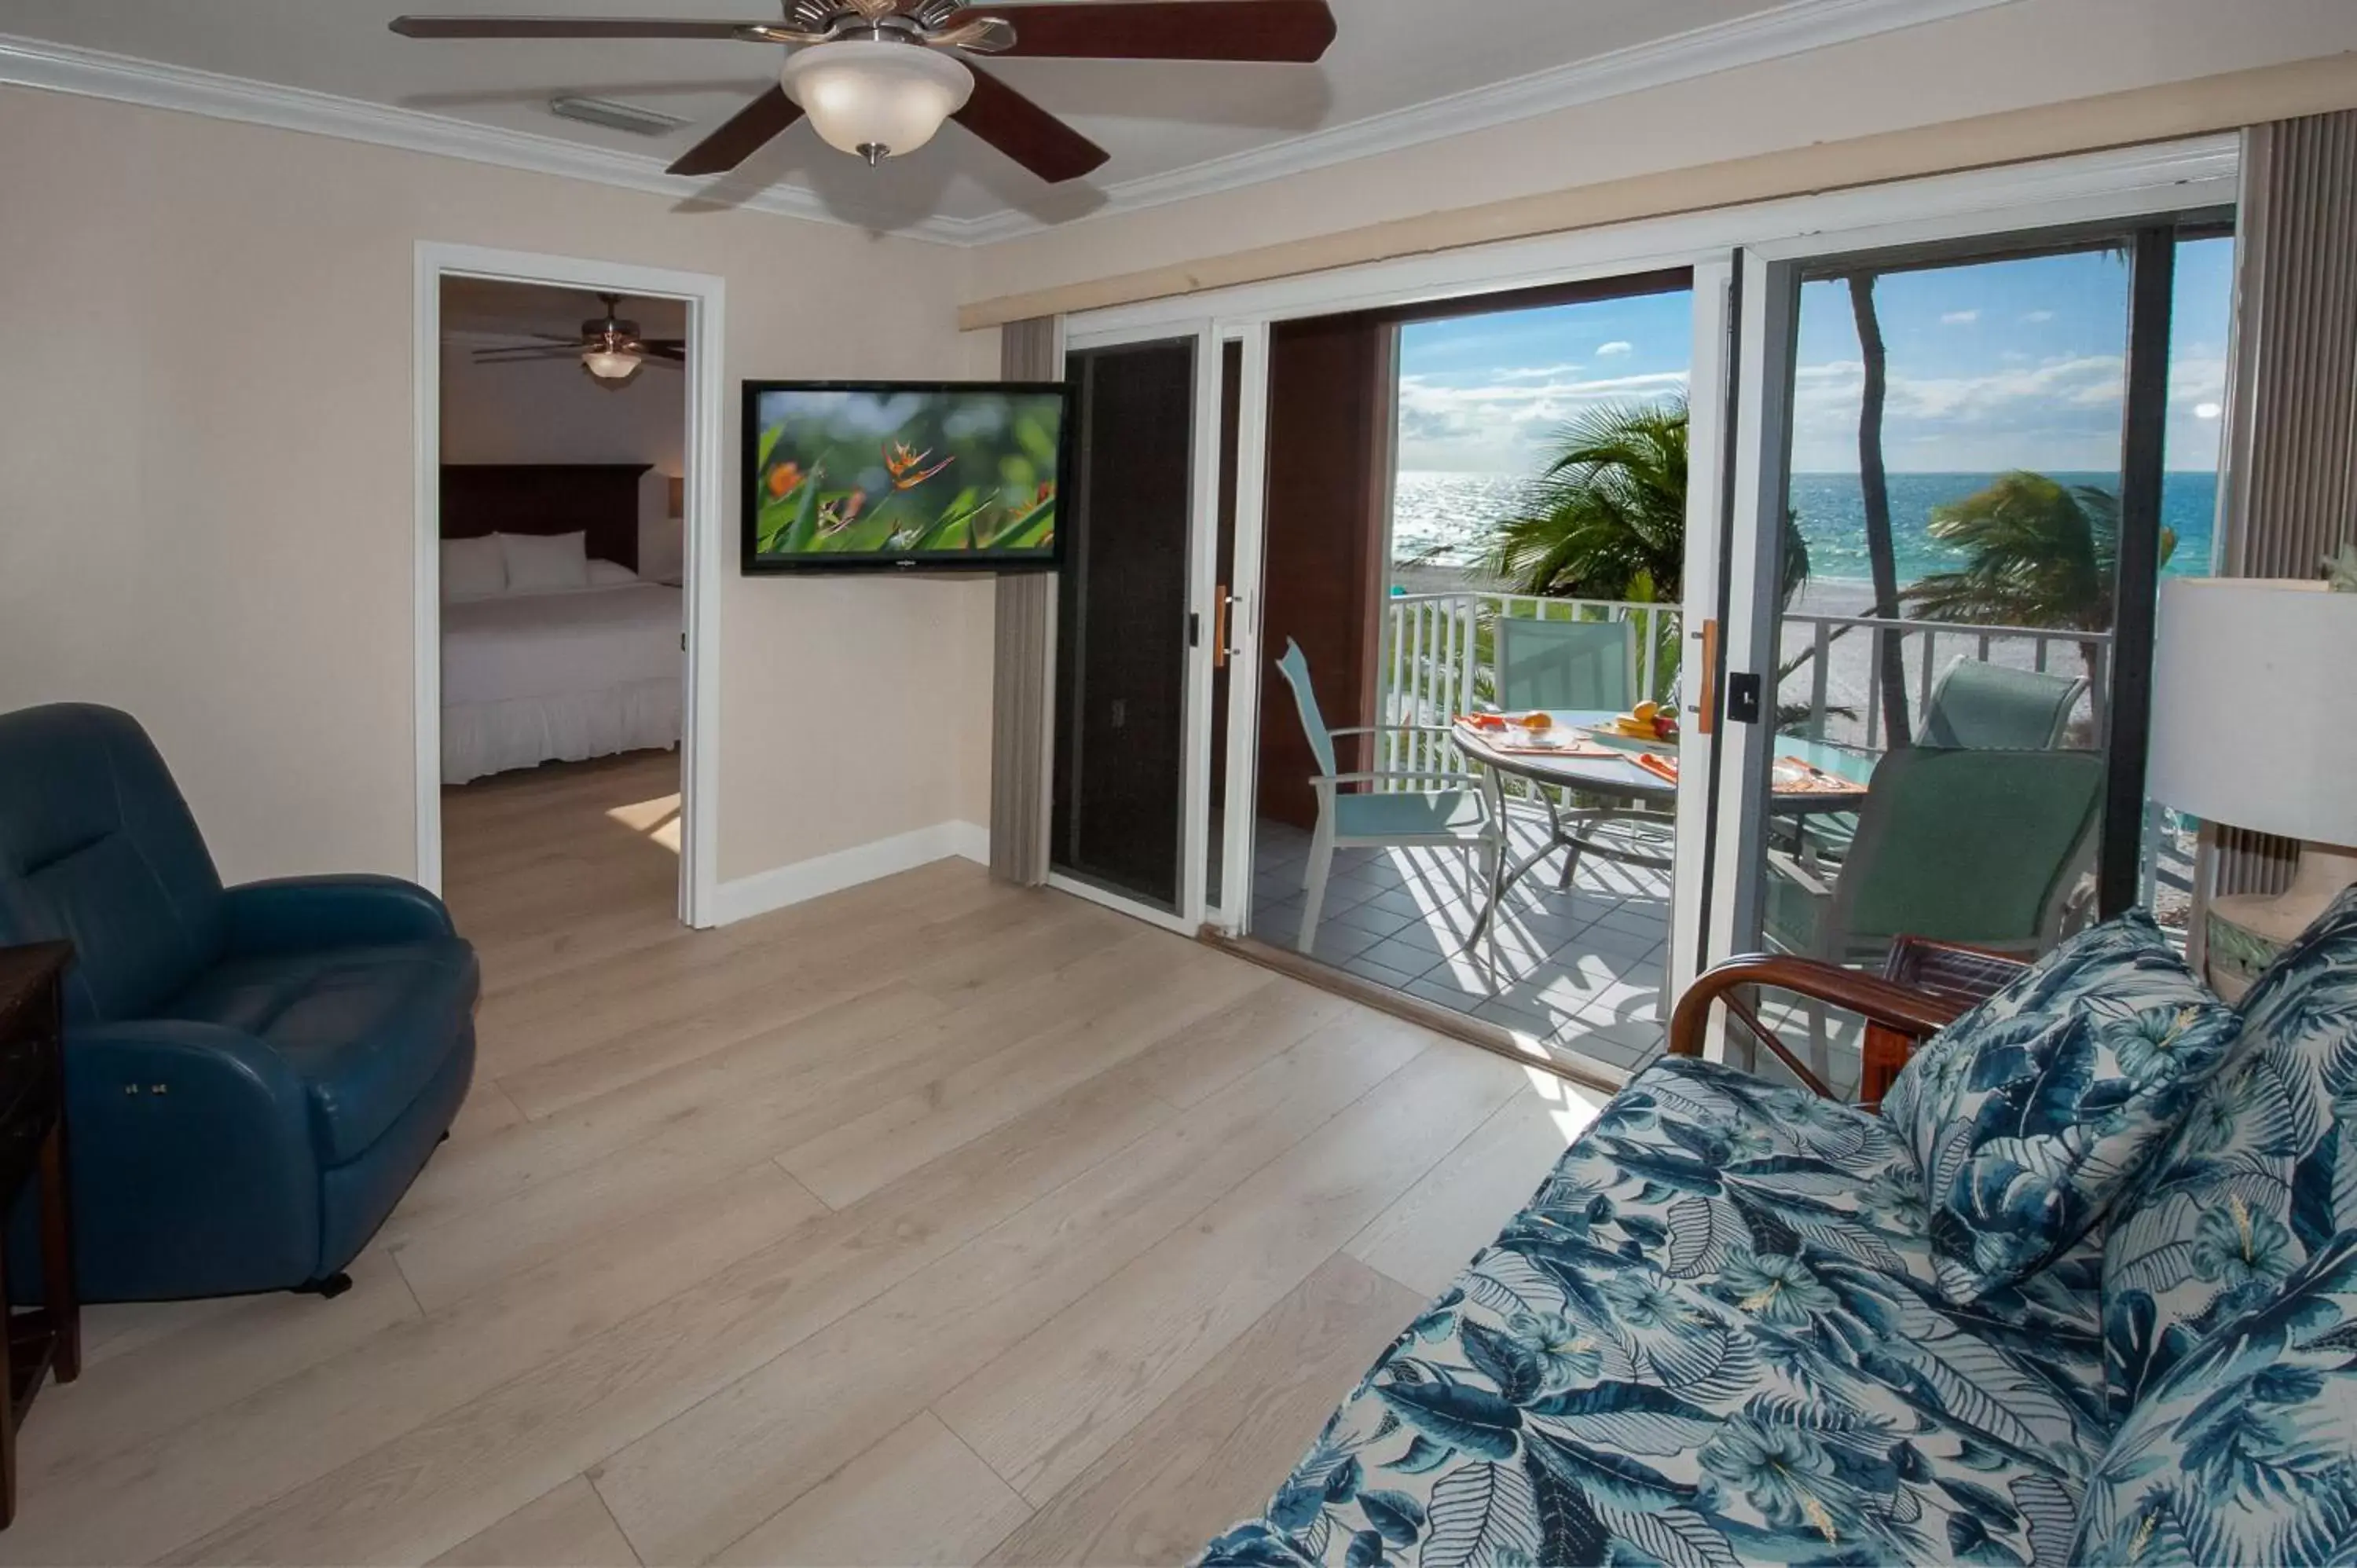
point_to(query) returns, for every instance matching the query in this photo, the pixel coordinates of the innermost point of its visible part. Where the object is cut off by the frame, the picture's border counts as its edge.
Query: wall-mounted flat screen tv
(937, 475)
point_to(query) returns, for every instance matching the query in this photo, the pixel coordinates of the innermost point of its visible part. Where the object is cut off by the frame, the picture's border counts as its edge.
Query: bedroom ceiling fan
(877, 78)
(609, 347)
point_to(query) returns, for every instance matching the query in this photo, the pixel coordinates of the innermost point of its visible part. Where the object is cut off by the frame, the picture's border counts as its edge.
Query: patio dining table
(1620, 778)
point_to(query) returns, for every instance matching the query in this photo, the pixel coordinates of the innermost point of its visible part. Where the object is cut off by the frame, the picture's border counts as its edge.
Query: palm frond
(1609, 507)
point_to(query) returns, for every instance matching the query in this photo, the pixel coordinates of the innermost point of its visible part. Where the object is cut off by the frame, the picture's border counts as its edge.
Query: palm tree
(1874, 486)
(1607, 519)
(2037, 552)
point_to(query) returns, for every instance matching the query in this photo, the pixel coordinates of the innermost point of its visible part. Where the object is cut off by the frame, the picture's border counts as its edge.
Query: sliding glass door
(1130, 706)
(1961, 499)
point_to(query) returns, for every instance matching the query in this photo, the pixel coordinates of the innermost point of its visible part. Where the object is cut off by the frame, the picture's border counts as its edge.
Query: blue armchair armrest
(300, 914)
(194, 1169)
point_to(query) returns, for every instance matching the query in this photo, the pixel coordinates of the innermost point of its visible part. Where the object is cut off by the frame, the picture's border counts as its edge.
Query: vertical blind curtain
(1023, 669)
(2291, 496)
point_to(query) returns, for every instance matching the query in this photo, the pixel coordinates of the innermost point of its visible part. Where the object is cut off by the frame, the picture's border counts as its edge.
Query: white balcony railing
(1438, 662)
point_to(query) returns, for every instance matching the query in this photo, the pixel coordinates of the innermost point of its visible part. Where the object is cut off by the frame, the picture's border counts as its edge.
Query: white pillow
(538, 563)
(473, 569)
(610, 574)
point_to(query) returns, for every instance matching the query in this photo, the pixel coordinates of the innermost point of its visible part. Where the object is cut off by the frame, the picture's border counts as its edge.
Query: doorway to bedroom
(562, 434)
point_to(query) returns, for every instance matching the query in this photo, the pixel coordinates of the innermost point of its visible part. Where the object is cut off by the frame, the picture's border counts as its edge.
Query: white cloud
(1497, 427)
(2208, 410)
(1616, 348)
(2036, 316)
(1960, 318)
(1533, 373)
(2060, 414)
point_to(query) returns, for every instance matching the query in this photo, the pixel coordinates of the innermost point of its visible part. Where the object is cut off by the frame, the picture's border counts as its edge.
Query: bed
(536, 673)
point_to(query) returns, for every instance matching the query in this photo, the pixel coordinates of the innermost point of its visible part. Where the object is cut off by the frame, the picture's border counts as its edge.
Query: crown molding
(93, 73)
(1791, 29)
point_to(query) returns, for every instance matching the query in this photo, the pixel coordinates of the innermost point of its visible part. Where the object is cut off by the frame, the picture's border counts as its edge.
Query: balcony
(1581, 968)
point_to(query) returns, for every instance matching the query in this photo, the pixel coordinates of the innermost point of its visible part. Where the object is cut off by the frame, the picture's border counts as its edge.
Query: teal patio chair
(1581, 665)
(1455, 815)
(1972, 846)
(1559, 664)
(1981, 706)
(1974, 706)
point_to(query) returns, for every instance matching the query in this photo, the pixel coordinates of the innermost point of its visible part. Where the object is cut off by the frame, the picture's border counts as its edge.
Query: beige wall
(2028, 53)
(205, 479)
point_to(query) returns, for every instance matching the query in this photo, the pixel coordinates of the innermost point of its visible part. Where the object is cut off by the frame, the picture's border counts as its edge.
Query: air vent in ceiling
(614, 116)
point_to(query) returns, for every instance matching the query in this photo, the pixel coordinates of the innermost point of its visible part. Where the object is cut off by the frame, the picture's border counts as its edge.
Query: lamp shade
(2254, 707)
(875, 100)
(610, 364)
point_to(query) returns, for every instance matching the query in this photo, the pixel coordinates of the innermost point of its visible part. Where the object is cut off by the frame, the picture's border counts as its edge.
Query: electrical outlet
(1120, 713)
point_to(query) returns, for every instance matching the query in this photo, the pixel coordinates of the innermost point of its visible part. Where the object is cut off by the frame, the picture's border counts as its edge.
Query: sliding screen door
(1123, 644)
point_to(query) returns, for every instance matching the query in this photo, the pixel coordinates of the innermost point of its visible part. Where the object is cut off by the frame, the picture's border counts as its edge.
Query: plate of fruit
(1648, 726)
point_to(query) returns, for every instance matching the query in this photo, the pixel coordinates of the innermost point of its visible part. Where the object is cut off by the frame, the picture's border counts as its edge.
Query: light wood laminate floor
(931, 1222)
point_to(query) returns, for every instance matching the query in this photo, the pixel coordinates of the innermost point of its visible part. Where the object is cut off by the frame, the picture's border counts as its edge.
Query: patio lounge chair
(1454, 814)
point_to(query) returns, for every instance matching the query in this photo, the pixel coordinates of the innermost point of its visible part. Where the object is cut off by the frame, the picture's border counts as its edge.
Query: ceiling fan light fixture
(875, 99)
(612, 366)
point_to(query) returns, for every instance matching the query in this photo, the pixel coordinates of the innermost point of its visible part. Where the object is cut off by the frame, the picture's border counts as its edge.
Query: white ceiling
(1395, 63)
(473, 308)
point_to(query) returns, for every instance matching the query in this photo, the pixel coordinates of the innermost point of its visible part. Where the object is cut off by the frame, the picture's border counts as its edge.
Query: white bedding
(534, 678)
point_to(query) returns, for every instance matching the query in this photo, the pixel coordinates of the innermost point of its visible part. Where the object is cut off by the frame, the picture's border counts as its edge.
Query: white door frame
(1202, 564)
(1241, 788)
(706, 299)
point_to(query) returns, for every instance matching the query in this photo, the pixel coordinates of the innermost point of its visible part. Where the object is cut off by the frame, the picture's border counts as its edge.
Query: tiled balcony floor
(1580, 969)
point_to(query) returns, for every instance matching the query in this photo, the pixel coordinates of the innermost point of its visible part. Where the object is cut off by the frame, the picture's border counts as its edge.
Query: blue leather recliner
(253, 1075)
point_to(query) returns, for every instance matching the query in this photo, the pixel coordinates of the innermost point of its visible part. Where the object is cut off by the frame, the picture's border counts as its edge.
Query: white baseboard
(815, 878)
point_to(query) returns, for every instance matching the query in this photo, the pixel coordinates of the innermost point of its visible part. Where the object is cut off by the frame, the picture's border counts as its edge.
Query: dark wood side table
(1961, 974)
(44, 1338)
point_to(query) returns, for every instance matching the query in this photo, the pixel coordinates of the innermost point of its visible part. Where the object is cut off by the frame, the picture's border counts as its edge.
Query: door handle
(1705, 707)
(1222, 602)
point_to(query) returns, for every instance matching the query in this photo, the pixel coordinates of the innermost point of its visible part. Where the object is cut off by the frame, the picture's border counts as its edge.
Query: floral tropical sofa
(2085, 1291)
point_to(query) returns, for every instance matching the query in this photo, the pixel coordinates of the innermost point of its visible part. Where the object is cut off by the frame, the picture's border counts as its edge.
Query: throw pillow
(2261, 1176)
(2245, 1451)
(473, 569)
(541, 564)
(2029, 1115)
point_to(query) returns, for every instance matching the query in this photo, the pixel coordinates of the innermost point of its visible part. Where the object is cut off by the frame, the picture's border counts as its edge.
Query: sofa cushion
(1712, 1336)
(2262, 1174)
(365, 1028)
(98, 848)
(2245, 1450)
(2029, 1116)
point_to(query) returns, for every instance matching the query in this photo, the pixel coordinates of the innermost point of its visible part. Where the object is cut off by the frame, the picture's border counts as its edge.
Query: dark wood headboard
(601, 499)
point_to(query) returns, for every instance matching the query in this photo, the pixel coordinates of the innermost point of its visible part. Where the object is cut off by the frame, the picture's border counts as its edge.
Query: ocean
(1444, 518)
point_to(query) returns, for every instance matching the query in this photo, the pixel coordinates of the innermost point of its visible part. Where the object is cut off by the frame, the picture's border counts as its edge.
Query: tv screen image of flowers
(932, 476)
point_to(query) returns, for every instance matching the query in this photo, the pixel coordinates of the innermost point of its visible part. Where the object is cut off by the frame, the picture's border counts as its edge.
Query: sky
(1998, 365)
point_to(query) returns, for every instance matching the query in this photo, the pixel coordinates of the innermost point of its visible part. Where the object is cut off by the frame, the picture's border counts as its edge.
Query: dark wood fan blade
(567, 28)
(491, 356)
(1027, 133)
(1296, 31)
(664, 345)
(747, 131)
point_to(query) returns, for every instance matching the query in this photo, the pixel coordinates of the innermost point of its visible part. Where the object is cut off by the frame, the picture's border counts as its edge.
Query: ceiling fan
(609, 347)
(877, 78)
